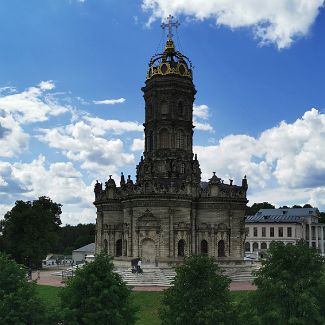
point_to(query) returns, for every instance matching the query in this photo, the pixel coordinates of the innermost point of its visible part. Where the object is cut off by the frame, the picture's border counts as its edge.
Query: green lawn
(148, 302)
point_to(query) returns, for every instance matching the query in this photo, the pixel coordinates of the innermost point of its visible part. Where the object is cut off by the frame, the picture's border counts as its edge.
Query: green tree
(30, 230)
(258, 206)
(200, 295)
(97, 295)
(290, 286)
(19, 303)
(307, 205)
(73, 237)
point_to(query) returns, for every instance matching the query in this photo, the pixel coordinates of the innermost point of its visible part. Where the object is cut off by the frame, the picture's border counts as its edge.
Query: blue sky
(71, 107)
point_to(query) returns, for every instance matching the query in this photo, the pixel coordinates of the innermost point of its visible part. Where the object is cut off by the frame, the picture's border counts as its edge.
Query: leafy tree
(296, 206)
(258, 206)
(200, 294)
(19, 303)
(291, 286)
(30, 230)
(97, 295)
(73, 237)
(307, 206)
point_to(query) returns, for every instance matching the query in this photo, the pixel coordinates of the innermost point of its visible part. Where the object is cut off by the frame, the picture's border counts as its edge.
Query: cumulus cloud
(102, 126)
(60, 181)
(32, 105)
(137, 145)
(286, 158)
(201, 112)
(20, 108)
(272, 21)
(80, 142)
(13, 139)
(110, 101)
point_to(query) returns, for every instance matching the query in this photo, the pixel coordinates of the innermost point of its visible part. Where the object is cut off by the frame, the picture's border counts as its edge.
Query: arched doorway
(125, 248)
(118, 248)
(181, 247)
(247, 247)
(204, 247)
(255, 247)
(148, 250)
(263, 246)
(221, 248)
(105, 246)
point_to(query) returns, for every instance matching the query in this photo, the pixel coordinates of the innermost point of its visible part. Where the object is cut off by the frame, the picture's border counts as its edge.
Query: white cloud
(60, 181)
(32, 105)
(13, 140)
(137, 145)
(283, 163)
(80, 142)
(101, 126)
(203, 126)
(46, 85)
(272, 21)
(201, 111)
(110, 101)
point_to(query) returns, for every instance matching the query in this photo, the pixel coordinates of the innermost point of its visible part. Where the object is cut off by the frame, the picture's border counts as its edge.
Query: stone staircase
(244, 274)
(163, 277)
(151, 276)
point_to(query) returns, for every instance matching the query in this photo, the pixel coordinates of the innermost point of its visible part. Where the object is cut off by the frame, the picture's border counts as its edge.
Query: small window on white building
(263, 232)
(255, 231)
(280, 230)
(272, 232)
(289, 232)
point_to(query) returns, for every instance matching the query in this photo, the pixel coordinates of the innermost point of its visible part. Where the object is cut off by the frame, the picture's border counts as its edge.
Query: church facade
(167, 213)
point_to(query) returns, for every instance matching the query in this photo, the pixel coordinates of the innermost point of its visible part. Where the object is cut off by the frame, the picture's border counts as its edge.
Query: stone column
(194, 234)
(310, 237)
(322, 239)
(131, 231)
(171, 233)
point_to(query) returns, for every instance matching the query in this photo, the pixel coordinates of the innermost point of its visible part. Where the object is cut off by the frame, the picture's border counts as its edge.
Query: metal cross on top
(170, 25)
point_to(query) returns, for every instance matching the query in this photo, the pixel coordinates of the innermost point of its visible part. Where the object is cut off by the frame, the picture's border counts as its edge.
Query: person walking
(139, 266)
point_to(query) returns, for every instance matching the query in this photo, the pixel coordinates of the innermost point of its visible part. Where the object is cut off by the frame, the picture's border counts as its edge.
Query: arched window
(164, 108)
(255, 247)
(263, 246)
(180, 140)
(149, 112)
(247, 247)
(164, 138)
(204, 247)
(118, 248)
(150, 141)
(181, 247)
(180, 109)
(105, 246)
(221, 248)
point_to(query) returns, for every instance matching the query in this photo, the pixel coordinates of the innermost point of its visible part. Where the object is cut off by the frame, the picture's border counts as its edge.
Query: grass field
(148, 302)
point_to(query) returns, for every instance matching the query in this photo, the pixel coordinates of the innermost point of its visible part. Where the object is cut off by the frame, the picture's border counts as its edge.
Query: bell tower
(169, 95)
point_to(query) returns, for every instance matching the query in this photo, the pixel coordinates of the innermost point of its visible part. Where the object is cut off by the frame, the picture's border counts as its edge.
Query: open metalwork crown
(171, 61)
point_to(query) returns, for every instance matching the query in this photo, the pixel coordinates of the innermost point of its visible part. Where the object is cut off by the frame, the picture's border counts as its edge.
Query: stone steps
(149, 277)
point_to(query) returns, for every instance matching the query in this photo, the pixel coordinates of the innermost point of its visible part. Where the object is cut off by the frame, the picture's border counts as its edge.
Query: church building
(167, 213)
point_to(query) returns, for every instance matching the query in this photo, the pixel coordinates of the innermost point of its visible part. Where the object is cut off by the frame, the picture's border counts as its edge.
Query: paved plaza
(47, 277)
